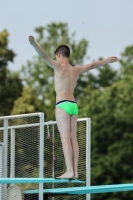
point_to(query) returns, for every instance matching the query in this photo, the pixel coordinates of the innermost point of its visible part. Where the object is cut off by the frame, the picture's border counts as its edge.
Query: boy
(66, 112)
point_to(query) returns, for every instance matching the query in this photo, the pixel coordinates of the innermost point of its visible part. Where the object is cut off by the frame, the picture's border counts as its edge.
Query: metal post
(53, 155)
(5, 157)
(12, 170)
(1, 168)
(41, 155)
(88, 155)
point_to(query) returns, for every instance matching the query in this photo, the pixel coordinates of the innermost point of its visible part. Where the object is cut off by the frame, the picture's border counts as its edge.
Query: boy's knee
(66, 137)
(74, 139)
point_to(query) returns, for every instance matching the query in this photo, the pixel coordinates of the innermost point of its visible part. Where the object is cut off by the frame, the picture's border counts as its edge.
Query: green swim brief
(70, 107)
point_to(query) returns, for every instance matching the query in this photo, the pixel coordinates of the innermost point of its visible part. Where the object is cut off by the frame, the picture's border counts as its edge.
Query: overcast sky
(106, 24)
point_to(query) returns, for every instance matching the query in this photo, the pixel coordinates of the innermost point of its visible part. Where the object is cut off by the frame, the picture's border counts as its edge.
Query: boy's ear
(58, 55)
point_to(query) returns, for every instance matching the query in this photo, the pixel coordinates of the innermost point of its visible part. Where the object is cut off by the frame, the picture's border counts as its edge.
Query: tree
(6, 55)
(126, 61)
(111, 113)
(27, 103)
(10, 83)
(10, 91)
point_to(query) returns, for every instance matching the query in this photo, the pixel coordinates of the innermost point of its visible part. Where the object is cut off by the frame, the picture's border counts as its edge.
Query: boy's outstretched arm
(52, 63)
(85, 68)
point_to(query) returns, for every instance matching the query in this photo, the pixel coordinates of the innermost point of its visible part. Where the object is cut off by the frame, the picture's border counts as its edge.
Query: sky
(106, 24)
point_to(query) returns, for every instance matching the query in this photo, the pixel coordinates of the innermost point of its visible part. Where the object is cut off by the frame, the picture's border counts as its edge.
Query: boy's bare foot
(66, 175)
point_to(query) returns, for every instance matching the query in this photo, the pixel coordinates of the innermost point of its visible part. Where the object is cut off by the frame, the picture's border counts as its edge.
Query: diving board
(72, 190)
(84, 190)
(37, 180)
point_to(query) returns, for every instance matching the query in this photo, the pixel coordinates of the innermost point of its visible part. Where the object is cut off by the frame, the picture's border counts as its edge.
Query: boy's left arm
(85, 68)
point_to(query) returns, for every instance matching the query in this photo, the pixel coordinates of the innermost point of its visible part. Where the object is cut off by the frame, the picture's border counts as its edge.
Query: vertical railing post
(88, 155)
(5, 157)
(1, 168)
(41, 155)
(12, 160)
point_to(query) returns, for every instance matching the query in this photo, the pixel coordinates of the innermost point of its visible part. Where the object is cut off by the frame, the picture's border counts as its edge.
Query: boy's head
(63, 50)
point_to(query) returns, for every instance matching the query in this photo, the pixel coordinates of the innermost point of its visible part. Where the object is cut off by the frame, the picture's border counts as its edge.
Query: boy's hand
(32, 40)
(112, 59)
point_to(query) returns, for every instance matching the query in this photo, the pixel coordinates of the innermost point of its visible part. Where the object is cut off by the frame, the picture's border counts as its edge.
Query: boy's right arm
(52, 63)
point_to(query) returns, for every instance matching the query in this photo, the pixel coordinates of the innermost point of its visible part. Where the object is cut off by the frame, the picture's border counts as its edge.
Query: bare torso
(65, 79)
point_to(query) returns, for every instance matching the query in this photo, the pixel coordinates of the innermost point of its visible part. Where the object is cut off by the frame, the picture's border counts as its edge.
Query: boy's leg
(75, 145)
(63, 123)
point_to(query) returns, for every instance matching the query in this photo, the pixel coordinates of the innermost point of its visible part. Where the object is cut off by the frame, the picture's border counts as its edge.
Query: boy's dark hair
(63, 50)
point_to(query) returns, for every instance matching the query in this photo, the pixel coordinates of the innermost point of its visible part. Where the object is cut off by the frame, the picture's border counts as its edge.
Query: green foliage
(127, 61)
(111, 113)
(10, 91)
(94, 84)
(27, 103)
(10, 83)
(6, 55)
(106, 76)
